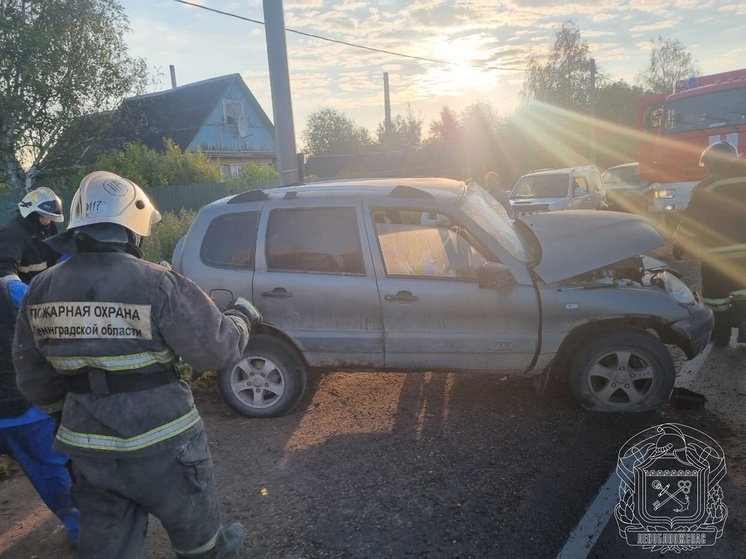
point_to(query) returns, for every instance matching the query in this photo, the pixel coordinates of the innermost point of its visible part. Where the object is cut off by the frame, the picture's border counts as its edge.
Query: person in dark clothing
(499, 193)
(26, 434)
(97, 339)
(714, 226)
(22, 250)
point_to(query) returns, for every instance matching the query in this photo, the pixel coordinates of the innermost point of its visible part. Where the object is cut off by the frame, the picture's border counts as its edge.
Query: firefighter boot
(741, 333)
(232, 544)
(721, 331)
(738, 316)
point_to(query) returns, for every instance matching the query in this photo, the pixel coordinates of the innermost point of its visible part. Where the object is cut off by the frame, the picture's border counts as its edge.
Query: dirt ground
(391, 465)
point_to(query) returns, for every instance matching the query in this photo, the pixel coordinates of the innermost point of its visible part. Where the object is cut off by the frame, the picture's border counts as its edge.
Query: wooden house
(219, 116)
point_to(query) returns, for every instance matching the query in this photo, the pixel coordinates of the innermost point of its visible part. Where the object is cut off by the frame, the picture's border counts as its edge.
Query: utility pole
(592, 95)
(386, 103)
(279, 82)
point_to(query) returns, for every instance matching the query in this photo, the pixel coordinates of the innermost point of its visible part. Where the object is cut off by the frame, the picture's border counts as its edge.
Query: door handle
(401, 297)
(277, 293)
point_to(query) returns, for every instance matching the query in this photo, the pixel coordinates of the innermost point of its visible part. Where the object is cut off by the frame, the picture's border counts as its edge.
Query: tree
(480, 132)
(617, 102)
(405, 132)
(447, 129)
(330, 132)
(669, 61)
(59, 59)
(147, 167)
(444, 146)
(250, 175)
(563, 79)
(480, 119)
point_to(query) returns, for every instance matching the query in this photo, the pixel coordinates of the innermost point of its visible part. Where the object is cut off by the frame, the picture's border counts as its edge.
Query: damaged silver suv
(430, 274)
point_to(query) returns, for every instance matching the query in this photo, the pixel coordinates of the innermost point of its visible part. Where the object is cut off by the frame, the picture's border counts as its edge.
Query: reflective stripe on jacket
(111, 311)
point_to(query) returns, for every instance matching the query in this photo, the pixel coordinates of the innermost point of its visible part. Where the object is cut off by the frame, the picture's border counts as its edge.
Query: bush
(147, 167)
(250, 175)
(162, 241)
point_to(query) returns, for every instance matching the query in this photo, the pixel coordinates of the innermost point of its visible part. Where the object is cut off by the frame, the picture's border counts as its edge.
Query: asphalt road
(437, 466)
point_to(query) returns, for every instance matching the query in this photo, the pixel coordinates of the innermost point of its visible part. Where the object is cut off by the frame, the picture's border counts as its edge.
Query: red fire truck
(676, 128)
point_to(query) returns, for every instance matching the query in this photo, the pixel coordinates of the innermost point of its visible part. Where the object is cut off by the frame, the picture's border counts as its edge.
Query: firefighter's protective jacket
(112, 315)
(714, 227)
(22, 251)
(714, 219)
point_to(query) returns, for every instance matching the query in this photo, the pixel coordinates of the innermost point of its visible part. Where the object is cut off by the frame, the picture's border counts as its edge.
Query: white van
(549, 190)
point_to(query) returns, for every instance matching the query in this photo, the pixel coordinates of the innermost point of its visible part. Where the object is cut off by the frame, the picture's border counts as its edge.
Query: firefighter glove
(244, 308)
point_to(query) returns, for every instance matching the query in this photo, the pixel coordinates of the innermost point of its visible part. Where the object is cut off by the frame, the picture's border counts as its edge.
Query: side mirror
(493, 274)
(579, 191)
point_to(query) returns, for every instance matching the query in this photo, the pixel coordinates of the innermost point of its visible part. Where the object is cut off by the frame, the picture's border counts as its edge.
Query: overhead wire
(354, 45)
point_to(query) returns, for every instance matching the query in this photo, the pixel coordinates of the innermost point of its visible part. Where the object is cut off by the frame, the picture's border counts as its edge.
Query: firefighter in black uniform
(97, 338)
(714, 226)
(22, 250)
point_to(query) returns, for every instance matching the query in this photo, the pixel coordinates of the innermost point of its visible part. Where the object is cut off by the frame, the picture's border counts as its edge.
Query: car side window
(230, 241)
(322, 240)
(580, 182)
(426, 245)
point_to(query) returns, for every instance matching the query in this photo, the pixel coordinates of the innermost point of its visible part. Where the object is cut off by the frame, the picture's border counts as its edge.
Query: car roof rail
(249, 196)
(404, 191)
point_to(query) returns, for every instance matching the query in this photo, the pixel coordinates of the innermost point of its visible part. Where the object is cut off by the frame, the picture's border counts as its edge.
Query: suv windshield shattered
(489, 214)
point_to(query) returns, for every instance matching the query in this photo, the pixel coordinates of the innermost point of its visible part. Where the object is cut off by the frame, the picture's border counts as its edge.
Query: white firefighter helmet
(44, 202)
(104, 197)
(718, 156)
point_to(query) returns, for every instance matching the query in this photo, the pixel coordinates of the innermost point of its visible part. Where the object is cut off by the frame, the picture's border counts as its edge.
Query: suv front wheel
(268, 380)
(622, 370)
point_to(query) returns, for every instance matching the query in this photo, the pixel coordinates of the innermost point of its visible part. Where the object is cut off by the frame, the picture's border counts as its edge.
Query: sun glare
(461, 76)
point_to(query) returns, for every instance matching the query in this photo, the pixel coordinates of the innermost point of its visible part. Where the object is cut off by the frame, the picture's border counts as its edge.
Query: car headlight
(665, 193)
(678, 289)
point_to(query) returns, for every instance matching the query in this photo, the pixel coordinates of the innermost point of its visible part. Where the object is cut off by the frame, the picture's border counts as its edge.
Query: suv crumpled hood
(578, 241)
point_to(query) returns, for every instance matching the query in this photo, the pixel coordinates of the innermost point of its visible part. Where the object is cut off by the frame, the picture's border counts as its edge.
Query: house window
(230, 171)
(232, 111)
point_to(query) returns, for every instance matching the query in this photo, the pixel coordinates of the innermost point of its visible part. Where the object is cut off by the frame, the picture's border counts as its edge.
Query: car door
(581, 196)
(597, 189)
(314, 281)
(436, 316)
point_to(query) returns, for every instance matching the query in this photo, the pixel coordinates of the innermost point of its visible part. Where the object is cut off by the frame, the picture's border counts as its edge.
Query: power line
(339, 42)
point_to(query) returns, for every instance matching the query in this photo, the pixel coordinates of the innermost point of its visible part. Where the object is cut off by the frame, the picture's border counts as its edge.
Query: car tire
(268, 380)
(622, 370)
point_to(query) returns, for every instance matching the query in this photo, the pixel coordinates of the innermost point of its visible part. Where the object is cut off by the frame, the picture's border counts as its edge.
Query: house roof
(177, 113)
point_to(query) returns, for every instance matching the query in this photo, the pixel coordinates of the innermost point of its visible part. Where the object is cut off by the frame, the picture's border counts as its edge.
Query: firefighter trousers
(725, 294)
(177, 485)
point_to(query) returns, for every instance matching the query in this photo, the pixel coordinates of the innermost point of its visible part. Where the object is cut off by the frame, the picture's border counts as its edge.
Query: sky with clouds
(483, 46)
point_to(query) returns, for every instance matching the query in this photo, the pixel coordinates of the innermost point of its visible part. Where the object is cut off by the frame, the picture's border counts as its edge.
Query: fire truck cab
(676, 128)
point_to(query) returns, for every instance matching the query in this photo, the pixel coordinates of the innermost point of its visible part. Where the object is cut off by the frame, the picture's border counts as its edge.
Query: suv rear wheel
(268, 381)
(622, 370)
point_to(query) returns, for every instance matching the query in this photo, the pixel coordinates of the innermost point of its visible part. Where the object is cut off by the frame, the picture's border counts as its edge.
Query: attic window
(232, 110)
